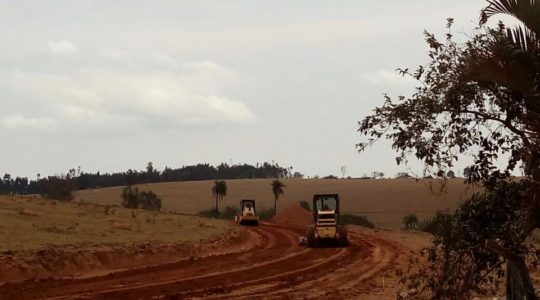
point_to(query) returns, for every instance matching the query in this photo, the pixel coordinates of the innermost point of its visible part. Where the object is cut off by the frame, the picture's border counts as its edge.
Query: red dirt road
(269, 264)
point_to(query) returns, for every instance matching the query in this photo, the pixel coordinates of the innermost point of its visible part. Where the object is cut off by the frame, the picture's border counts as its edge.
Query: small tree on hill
(149, 200)
(410, 221)
(219, 190)
(130, 197)
(59, 187)
(277, 190)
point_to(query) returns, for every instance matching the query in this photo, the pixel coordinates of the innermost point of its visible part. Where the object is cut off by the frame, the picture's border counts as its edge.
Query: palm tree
(513, 61)
(219, 190)
(277, 189)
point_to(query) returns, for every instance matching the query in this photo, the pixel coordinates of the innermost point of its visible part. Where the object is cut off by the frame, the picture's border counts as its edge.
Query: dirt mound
(293, 215)
(70, 261)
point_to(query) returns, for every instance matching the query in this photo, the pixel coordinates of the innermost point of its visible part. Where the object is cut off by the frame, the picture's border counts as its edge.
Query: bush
(228, 214)
(132, 198)
(410, 221)
(347, 219)
(149, 200)
(59, 188)
(265, 214)
(430, 224)
(305, 205)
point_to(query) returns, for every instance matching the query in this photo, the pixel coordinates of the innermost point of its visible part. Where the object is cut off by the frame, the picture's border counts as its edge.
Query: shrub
(410, 221)
(228, 214)
(348, 219)
(305, 205)
(59, 188)
(265, 214)
(132, 198)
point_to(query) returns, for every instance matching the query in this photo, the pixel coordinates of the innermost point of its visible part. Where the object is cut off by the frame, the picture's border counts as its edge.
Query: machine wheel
(343, 239)
(310, 236)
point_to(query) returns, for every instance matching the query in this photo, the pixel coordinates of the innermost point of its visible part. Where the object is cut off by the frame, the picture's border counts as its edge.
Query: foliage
(59, 187)
(219, 190)
(377, 174)
(85, 180)
(265, 214)
(403, 175)
(479, 98)
(147, 200)
(348, 219)
(459, 263)
(277, 190)
(305, 205)
(410, 221)
(453, 113)
(227, 214)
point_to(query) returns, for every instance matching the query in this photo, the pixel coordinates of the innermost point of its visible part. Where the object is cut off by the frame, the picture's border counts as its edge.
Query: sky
(112, 85)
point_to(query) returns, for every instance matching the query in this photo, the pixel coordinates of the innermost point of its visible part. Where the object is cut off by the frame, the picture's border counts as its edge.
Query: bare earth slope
(385, 201)
(266, 264)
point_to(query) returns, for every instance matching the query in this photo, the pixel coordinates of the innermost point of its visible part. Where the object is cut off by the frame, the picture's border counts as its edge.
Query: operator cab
(247, 215)
(248, 207)
(326, 209)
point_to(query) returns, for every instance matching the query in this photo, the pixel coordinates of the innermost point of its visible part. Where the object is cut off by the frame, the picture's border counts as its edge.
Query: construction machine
(247, 214)
(325, 229)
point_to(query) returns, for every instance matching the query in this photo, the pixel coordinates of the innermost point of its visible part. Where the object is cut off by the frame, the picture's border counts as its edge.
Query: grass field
(32, 223)
(385, 201)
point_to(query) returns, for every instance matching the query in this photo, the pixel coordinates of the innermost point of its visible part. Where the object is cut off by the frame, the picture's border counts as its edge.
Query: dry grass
(385, 202)
(30, 223)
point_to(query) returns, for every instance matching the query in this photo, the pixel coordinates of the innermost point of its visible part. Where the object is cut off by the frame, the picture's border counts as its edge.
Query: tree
(277, 190)
(377, 174)
(451, 174)
(59, 187)
(219, 190)
(130, 197)
(343, 170)
(480, 98)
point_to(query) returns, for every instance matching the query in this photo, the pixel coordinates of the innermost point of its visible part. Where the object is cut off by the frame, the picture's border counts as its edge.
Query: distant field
(383, 201)
(32, 223)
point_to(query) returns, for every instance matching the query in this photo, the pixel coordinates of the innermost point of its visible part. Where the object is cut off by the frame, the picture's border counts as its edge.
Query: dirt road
(269, 264)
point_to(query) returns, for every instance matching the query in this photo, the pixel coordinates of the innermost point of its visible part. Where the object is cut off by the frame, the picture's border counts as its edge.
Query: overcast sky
(111, 85)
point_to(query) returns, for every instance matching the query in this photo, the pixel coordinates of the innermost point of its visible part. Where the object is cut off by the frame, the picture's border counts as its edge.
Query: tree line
(76, 179)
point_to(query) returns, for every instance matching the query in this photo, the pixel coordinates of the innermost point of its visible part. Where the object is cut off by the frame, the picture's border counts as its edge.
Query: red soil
(293, 215)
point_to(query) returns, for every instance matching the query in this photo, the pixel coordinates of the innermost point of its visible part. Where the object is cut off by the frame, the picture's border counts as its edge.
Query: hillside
(32, 223)
(383, 201)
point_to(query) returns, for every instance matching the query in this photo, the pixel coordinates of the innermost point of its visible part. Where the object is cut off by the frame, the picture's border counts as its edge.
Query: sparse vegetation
(49, 222)
(132, 198)
(410, 221)
(59, 188)
(348, 219)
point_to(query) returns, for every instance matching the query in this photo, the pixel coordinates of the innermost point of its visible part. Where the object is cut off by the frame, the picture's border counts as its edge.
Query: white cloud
(19, 121)
(61, 47)
(91, 96)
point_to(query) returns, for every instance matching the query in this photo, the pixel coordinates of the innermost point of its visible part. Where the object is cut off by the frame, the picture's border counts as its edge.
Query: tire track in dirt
(367, 257)
(270, 264)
